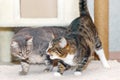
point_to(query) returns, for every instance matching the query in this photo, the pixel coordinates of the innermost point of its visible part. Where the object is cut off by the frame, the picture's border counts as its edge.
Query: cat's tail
(83, 8)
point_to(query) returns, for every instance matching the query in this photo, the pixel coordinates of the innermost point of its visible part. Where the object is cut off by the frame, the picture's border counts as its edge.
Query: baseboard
(114, 56)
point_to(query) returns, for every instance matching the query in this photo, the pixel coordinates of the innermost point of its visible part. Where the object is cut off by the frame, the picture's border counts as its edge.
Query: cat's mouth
(54, 57)
(20, 57)
(51, 56)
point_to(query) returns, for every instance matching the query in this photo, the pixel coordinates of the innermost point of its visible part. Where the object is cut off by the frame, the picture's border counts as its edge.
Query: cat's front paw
(22, 73)
(47, 70)
(57, 74)
(77, 73)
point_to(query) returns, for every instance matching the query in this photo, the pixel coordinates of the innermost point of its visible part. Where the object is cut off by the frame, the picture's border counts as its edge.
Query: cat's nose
(49, 54)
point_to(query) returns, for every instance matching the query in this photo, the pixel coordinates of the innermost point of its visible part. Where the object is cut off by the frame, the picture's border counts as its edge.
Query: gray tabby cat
(75, 48)
(30, 44)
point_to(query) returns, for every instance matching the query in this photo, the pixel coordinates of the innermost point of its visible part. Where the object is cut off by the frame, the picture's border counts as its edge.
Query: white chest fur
(69, 60)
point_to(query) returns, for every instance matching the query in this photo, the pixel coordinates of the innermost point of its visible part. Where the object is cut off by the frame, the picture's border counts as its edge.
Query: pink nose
(48, 53)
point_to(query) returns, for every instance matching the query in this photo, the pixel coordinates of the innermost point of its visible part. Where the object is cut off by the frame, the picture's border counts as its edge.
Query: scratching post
(101, 14)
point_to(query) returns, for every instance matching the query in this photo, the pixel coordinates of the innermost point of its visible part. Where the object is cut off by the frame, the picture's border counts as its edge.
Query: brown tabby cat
(30, 44)
(76, 47)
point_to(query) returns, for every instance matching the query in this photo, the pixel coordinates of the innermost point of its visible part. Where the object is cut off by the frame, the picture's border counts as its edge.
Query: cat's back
(19, 35)
(53, 29)
(40, 34)
(48, 32)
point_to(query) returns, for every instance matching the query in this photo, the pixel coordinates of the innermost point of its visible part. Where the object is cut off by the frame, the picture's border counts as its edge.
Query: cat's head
(21, 47)
(59, 48)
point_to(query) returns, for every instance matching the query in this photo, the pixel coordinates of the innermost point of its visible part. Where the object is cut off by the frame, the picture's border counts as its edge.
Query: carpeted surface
(94, 71)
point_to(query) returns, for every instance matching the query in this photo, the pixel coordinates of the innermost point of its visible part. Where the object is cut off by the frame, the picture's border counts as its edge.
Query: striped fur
(81, 40)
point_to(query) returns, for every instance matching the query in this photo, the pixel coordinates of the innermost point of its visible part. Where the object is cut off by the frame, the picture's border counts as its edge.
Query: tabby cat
(76, 47)
(30, 44)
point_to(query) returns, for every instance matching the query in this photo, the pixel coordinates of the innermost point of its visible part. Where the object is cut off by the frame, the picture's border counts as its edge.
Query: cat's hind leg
(100, 52)
(102, 57)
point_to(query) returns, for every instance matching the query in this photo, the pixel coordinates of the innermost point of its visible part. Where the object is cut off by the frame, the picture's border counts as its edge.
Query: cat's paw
(107, 66)
(47, 70)
(77, 73)
(22, 73)
(57, 74)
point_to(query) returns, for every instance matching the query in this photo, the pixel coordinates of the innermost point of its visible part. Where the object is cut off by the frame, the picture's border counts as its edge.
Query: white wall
(6, 12)
(114, 25)
(9, 12)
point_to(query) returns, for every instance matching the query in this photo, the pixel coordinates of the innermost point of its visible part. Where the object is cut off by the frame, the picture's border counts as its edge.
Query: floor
(94, 71)
(90, 73)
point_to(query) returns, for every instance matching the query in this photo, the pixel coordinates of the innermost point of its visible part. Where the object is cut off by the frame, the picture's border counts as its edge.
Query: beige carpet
(94, 71)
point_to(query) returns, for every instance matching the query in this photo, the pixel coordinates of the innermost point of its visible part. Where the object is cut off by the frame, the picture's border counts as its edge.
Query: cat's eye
(57, 52)
(20, 52)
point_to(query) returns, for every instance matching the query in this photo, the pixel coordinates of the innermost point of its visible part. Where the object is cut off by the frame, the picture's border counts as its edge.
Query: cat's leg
(100, 52)
(80, 66)
(25, 68)
(49, 64)
(61, 68)
(102, 58)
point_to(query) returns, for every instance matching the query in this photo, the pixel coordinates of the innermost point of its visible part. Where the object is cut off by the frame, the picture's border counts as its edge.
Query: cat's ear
(14, 44)
(29, 40)
(63, 42)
